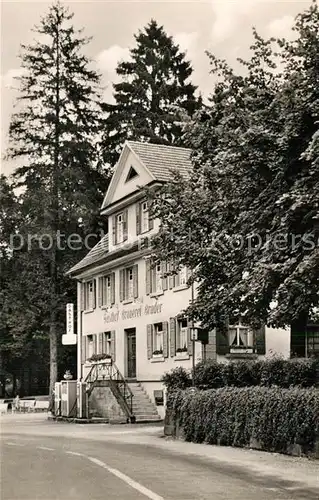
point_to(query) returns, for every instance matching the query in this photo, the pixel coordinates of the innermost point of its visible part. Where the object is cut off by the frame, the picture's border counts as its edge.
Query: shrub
(275, 418)
(179, 378)
(268, 372)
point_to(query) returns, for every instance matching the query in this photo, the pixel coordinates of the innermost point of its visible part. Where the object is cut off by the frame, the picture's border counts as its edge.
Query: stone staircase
(143, 408)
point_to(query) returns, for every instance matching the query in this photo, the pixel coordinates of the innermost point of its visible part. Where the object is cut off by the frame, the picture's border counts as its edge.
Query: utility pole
(193, 333)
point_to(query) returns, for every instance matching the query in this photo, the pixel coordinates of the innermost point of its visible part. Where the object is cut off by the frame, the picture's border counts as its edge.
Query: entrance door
(131, 352)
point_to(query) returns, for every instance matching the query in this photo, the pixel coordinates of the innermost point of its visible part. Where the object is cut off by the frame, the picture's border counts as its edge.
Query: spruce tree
(155, 86)
(55, 132)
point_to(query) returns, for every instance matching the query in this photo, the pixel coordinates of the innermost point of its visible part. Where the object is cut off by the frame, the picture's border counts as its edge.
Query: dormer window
(144, 222)
(144, 217)
(119, 228)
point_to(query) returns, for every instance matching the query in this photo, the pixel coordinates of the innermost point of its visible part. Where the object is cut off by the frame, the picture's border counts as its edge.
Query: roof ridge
(158, 145)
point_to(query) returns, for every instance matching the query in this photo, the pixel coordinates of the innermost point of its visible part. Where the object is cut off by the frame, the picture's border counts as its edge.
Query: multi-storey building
(128, 307)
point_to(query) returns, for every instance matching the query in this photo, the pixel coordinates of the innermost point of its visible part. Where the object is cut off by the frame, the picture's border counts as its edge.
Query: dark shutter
(222, 344)
(164, 272)
(100, 291)
(165, 339)
(113, 345)
(148, 276)
(138, 218)
(95, 344)
(94, 294)
(150, 222)
(114, 230)
(122, 285)
(135, 281)
(125, 225)
(260, 340)
(101, 343)
(112, 288)
(149, 332)
(172, 332)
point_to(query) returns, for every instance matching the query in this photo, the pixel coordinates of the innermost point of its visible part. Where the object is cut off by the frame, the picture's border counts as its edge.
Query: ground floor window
(239, 336)
(107, 343)
(158, 338)
(181, 335)
(90, 346)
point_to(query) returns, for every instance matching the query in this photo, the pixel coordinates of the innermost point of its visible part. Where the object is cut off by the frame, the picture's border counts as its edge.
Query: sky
(223, 27)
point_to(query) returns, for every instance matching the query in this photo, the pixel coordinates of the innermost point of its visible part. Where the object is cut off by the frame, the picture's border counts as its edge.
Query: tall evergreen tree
(155, 86)
(55, 133)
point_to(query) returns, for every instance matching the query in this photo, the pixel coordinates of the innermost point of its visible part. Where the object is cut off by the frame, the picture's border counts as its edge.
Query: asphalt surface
(47, 460)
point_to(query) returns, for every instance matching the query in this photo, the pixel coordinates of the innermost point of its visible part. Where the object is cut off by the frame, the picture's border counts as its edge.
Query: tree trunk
(14, 384)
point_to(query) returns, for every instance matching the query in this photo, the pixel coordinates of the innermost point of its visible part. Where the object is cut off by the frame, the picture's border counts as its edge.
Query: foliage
(270, 418)
(246, 219)
(99, 357)
(269, 372)
(178, 378)
(153, 95)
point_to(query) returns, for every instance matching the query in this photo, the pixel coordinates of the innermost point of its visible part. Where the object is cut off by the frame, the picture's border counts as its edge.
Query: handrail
(118, 382)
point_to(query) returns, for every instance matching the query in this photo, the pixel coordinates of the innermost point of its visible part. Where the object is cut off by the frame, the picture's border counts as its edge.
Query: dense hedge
(267, 372)
(273, 418)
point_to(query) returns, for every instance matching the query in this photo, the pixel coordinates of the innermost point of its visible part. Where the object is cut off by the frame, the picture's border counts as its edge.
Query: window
(239, 336)
(131, 174)
(156, 279)
(183, 276)
(90, 346)
(144, 217)
(158, 338)
(182, 330)
(120, 227)
(107, 290)
(313, 341)
(157, 341)
(107, 343)
(89, 295)
(143, 221)
(129, 283)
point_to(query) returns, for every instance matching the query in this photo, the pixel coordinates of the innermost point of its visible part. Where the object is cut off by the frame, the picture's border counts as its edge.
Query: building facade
(128, 306)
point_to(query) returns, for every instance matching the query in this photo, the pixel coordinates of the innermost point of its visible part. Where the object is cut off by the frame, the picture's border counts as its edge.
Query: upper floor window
(129, 283)
(88, 295)
(120, 227)
(143, 221)
(156, 279)
(107, 290)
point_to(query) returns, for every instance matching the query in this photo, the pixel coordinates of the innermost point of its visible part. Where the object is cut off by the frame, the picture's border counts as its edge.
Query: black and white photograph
(159, 250)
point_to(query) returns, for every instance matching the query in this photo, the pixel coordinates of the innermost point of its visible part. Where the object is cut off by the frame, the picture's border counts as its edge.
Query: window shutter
(113, 345)
(125, 225)
(148, 276)
(83, 349)
(149, 341)
(260, 340)
(135, 281)
(222, 344)
(95, 344)
(100, 292)
(172, 331)
(101, 335)
(176, 280)
(113, 288)
(164, 272)
(103, 342)
(82, 296)
(122, 285)
(138, 218)
(114, 229)
(189, 341)
(188, 273)
(165, 339)
(94, 294)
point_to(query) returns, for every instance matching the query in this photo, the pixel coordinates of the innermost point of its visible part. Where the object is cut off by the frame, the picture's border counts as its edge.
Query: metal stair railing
(109, 371)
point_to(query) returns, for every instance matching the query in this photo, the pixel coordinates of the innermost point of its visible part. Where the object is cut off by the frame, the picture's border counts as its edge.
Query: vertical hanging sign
(69, 338)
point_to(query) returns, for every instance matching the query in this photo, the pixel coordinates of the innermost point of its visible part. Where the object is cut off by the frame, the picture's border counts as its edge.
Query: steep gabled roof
(160, 160)
(95, 255)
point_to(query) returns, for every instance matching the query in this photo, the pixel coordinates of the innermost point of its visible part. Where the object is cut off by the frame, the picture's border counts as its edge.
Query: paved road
(50, 461)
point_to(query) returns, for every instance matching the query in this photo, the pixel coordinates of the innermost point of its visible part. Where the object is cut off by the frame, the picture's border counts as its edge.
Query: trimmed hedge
(268, 372)
(271, 419)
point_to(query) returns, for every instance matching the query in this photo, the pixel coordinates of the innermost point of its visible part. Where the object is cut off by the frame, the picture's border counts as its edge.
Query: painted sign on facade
(132, 313)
